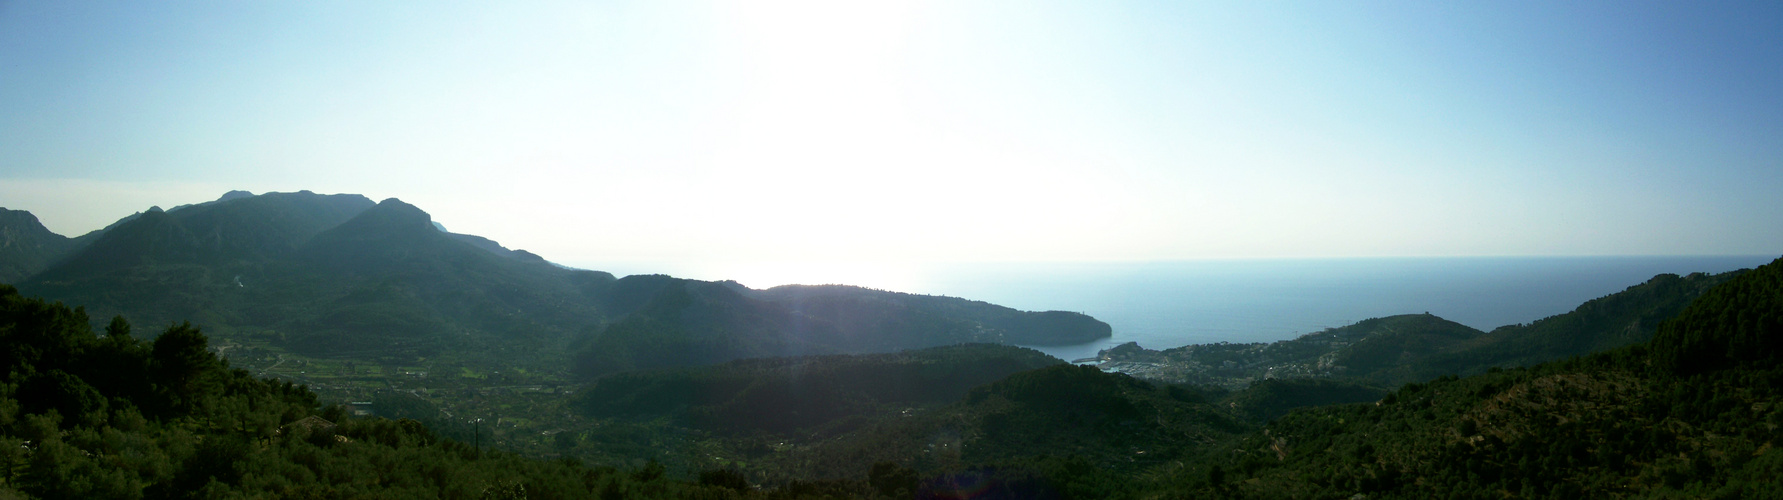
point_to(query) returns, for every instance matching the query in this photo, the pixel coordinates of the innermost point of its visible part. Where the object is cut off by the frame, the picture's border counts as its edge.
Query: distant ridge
(1394, 350)
(1692, 412)
(26, 247)
(341, 276)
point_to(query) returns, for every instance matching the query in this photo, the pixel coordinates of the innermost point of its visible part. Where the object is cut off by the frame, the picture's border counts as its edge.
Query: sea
(1169, 304)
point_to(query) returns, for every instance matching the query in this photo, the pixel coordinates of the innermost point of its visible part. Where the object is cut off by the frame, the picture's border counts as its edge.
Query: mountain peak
(26, 247)
(20, 218)
(395, 206)
(391, 228)
(235, 194)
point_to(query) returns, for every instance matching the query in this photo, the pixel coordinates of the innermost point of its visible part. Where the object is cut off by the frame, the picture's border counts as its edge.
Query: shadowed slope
(693, 323)
(26, 247)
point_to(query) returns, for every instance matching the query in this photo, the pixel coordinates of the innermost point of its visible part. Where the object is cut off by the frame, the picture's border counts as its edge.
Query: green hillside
(782, 395)
(84, 416)
(1691, 413)
(1694, 413)
(1394, 350)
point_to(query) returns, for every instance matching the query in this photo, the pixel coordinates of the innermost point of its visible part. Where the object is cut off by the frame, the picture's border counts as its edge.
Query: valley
(517, 404)
(409, 339)
(820, 250)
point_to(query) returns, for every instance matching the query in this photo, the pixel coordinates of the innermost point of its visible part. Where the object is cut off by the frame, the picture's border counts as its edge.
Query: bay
(1168, 304)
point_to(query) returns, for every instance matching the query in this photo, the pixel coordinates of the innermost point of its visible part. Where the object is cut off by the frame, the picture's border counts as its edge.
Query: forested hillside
(781, 395)
(1394, 350)
(1694, 413)
(84, 415)
(87, 415)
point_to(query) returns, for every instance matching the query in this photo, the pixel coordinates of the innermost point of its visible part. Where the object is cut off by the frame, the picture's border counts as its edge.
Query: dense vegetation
(1692, 414)
(1736, 325)
(1683, 415)
(781, 395)
(111, 416)
(84, 415)
(1620, 319)
(1060, 428)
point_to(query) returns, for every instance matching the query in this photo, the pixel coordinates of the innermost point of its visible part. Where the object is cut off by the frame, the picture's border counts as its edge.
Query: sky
(841, 141)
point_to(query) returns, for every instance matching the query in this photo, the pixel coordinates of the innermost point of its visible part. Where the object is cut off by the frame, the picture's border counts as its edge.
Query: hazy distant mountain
(26, 247)
(241, 230)
(332, 275)
(861, 312)
(709, 322)
(339, 275)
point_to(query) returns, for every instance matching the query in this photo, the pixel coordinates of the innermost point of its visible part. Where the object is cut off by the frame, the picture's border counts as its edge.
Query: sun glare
(820, 86)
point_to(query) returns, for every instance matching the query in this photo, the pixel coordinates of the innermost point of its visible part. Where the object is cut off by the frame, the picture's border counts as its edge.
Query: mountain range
(1671, 388)
(343, 277)
(1166, 408)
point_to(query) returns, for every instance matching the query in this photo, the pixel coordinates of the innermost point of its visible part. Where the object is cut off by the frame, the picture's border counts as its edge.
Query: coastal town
(1332, 352)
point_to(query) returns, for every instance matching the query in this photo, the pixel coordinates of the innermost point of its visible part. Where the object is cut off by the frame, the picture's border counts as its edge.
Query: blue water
(1169, 304)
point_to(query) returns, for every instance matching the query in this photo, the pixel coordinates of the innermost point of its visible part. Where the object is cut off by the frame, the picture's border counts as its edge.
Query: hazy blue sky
(813, 137)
